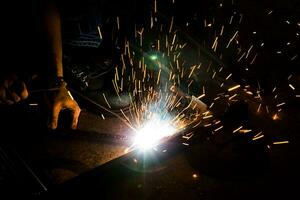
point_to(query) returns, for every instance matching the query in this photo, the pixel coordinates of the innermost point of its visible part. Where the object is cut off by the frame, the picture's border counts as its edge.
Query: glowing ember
(195, 176)
(275, 117)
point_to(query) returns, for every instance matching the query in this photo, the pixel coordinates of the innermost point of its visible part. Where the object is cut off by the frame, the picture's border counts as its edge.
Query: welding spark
(281, 142)
(158, 111)
(236, 130)
(258, 137)
(291, 86)
(234, 88)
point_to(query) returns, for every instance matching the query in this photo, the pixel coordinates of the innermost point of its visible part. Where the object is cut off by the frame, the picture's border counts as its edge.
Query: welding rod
(200, 105)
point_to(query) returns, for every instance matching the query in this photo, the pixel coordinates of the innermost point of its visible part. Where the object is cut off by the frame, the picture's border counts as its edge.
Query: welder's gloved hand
(12, 90)
(59, 100)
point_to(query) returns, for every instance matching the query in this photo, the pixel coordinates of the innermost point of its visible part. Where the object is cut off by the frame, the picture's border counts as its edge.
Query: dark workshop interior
(179, 99)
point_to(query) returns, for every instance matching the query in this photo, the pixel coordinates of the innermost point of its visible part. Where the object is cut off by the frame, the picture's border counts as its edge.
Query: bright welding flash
(154, 130)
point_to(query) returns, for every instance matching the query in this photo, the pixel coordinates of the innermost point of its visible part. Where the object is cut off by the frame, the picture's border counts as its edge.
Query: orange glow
(195, 176)
(275, 117)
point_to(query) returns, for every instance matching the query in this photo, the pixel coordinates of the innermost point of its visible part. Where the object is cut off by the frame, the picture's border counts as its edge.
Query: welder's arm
(60, 99)
(52, 31)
